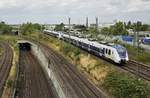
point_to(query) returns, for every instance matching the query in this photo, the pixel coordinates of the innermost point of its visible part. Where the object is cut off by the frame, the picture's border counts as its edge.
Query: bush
(77, 58)
(66, 48)
(5, 28)
(122, 86)
(9, 83)
(76, 52)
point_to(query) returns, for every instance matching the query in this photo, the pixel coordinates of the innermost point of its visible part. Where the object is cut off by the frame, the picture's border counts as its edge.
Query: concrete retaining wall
(48, 71)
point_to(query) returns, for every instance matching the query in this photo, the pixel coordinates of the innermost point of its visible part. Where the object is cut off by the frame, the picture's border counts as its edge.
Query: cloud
(138, 5)
(55, 11)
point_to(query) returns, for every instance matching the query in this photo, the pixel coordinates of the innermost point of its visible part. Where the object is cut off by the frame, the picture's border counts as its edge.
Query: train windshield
(121, 50)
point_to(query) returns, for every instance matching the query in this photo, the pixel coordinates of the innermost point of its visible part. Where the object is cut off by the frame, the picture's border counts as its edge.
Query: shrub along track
(70, 76)
(32, 80)
(5, 64)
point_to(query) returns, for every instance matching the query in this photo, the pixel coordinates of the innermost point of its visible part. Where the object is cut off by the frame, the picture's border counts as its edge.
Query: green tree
(145, 27)
(4, 28)
(138, 26)
(30, 28)
(105, 31)
(93, 31)
(27, 28)
(59, 27)
(81, 28)
(37, 26)
(129, 25)
(117, 29)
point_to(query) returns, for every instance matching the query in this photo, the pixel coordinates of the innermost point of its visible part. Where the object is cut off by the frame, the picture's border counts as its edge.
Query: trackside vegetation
(8, 88)
(121, 85)
(5, 28)
(138, 54)
(116, 83)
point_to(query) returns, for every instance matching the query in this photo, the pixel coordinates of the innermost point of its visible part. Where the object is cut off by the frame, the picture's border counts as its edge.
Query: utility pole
(134, 41)
(69, 24)
(137, 46)
(19, 32)
(96, 27)
(87, 22)
(136, 37)
(96, 24)
(69, 20)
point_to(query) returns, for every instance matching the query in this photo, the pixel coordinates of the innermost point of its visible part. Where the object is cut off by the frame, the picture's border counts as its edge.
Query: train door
(89, 47)
(77, 43)
(106, 53)
(103, 51)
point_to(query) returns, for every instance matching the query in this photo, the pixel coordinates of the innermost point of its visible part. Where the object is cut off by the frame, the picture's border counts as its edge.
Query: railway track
(32, 80)
(139, 69)
(5, 64)
(76, 82)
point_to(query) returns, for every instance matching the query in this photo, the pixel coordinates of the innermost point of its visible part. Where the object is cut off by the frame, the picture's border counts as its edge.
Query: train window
(49, 66)
(147, 35)
(106, 51)
(100, 50)
(103, 50)
(109, 52)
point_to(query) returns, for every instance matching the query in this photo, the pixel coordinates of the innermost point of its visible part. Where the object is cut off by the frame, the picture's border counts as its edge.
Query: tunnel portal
(25, 46)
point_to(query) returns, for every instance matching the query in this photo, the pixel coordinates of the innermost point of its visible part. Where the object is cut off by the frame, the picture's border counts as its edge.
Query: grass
(138, 54)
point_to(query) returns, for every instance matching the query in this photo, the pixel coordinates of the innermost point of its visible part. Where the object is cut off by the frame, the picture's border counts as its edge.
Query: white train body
(114, 52)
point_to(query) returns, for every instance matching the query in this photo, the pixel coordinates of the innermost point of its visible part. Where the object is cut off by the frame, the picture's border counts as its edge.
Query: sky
(57, 11)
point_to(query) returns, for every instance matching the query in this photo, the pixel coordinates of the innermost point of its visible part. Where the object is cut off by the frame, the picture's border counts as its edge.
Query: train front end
(122, 53)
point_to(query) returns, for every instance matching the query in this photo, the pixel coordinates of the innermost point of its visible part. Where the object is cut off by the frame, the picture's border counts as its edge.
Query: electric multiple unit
(111, 51)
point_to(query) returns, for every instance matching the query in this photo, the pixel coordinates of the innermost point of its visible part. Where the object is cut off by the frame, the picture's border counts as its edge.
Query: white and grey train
(114, 52)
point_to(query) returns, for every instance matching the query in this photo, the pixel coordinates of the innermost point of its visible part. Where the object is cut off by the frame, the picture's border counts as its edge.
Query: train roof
(94, 43)
(119, 48)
